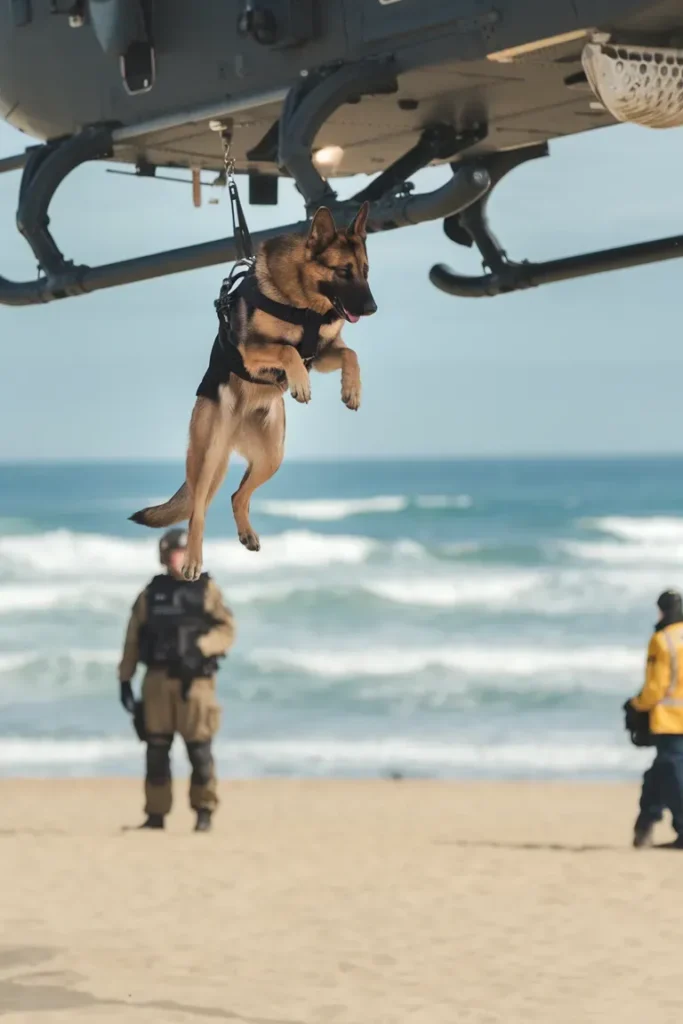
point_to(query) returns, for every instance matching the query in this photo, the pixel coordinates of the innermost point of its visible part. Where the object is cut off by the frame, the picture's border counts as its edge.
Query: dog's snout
(369, 306)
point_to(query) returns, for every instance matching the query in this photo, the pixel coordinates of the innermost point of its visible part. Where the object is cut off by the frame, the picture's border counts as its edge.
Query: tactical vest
(176, 617)
(225, 355)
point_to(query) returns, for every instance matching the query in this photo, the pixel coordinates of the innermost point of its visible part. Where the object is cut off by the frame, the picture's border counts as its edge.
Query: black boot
(203, 821)
(642, 837)
(153, 821)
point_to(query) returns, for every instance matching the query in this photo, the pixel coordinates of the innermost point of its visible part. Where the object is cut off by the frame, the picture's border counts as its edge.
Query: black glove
(637, 724)
(126, 697)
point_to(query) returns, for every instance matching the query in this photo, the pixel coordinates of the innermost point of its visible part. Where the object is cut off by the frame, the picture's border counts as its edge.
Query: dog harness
(225, 355)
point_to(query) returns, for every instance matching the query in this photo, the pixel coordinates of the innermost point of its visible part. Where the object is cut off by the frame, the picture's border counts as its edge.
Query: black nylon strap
(245, 249)
(306, 318)
(233, 357)
(225, 355)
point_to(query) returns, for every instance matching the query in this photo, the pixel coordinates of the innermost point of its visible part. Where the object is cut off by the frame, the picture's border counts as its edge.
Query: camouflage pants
(197, 720)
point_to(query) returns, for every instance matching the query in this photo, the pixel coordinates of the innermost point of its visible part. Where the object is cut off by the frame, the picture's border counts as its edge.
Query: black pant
(663, 785)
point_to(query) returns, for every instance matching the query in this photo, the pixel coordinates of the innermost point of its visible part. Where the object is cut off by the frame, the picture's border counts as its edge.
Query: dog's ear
(359, 225)
(323, 230)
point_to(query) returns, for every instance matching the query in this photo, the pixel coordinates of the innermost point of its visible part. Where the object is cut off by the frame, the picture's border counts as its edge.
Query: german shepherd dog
(326, 273)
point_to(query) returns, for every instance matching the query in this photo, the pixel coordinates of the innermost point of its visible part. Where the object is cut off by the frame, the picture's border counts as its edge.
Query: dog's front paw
(300, 390)
(351, 394)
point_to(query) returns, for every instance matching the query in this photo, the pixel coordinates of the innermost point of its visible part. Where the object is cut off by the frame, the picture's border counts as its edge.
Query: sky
(583, 367)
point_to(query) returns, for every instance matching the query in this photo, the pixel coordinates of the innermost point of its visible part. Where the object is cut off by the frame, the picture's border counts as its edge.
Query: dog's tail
(175, 510)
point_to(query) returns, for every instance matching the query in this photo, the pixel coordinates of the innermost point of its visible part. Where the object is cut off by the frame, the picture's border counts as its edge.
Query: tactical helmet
(172, 540)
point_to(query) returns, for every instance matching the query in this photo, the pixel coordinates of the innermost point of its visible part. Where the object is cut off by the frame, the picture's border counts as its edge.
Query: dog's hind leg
(208, 453)
(179, 507)
(261, 441)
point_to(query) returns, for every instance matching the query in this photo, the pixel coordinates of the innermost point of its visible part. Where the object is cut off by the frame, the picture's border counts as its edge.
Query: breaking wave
(642, 531)
(332, 509)
(101, 596)
(499, 590)
(329, 757)
(653, 540)
(65, 554)
(348, 574)
(444, 501)
(517, 662)
(335, 509)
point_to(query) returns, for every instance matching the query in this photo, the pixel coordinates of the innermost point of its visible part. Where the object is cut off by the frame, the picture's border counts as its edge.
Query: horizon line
(89, 460)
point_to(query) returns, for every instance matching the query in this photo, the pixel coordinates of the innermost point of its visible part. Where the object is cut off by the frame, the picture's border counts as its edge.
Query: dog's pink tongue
(351, 318)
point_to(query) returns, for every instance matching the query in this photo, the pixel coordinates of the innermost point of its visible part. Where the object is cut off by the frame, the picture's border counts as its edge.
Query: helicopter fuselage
(59, 74)
(318, 90)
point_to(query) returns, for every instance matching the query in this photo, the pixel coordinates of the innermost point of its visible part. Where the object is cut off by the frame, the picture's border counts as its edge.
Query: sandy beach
(316, 902)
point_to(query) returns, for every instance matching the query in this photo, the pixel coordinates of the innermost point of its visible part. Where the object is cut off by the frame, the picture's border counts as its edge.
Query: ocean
(460, 619)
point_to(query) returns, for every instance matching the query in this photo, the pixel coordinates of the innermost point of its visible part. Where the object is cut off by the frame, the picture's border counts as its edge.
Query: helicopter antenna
(196, 187)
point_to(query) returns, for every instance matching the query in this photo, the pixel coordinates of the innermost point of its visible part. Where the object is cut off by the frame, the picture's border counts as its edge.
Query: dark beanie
(670, 603)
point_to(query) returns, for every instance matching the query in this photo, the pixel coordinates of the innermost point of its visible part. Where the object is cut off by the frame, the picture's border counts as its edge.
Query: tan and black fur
(328, 269)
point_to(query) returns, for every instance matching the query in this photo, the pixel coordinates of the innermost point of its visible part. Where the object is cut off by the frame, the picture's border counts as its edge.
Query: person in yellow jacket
(179, 630)
(662, 698)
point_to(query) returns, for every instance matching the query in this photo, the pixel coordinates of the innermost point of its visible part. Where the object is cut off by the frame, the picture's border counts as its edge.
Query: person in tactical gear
(662, 699)
(179, 630)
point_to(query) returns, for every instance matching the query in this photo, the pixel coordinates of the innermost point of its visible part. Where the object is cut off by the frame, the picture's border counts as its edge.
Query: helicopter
(321, 90)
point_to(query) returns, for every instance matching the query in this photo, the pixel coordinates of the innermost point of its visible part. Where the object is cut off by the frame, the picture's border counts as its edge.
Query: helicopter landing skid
(392, 203)
(470, 227)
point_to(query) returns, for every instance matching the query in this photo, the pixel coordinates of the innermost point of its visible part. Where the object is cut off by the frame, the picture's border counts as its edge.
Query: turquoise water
(450, 619)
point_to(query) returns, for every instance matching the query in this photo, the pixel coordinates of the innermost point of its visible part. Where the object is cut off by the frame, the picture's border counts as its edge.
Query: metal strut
(306, 108)
(45, 169)
(437, 142)
(471, 226)
(15, 163)
(384, 215)
(309, 104)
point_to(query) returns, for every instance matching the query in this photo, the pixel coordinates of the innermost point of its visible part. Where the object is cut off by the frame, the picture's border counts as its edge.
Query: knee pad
(158, 760)
(202, 763)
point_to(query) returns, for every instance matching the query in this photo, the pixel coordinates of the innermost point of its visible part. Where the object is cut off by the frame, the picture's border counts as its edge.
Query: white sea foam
(335, 509)
(519, 662)
(64, 554)
(18, 751)
(640, 554)
(546, 592)
(39, 597)
(16, 661)
(653, 540)
(641, 530)
(332, 509)
(323, 756)
(117, 598)
(444, 501)
(498, 590)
